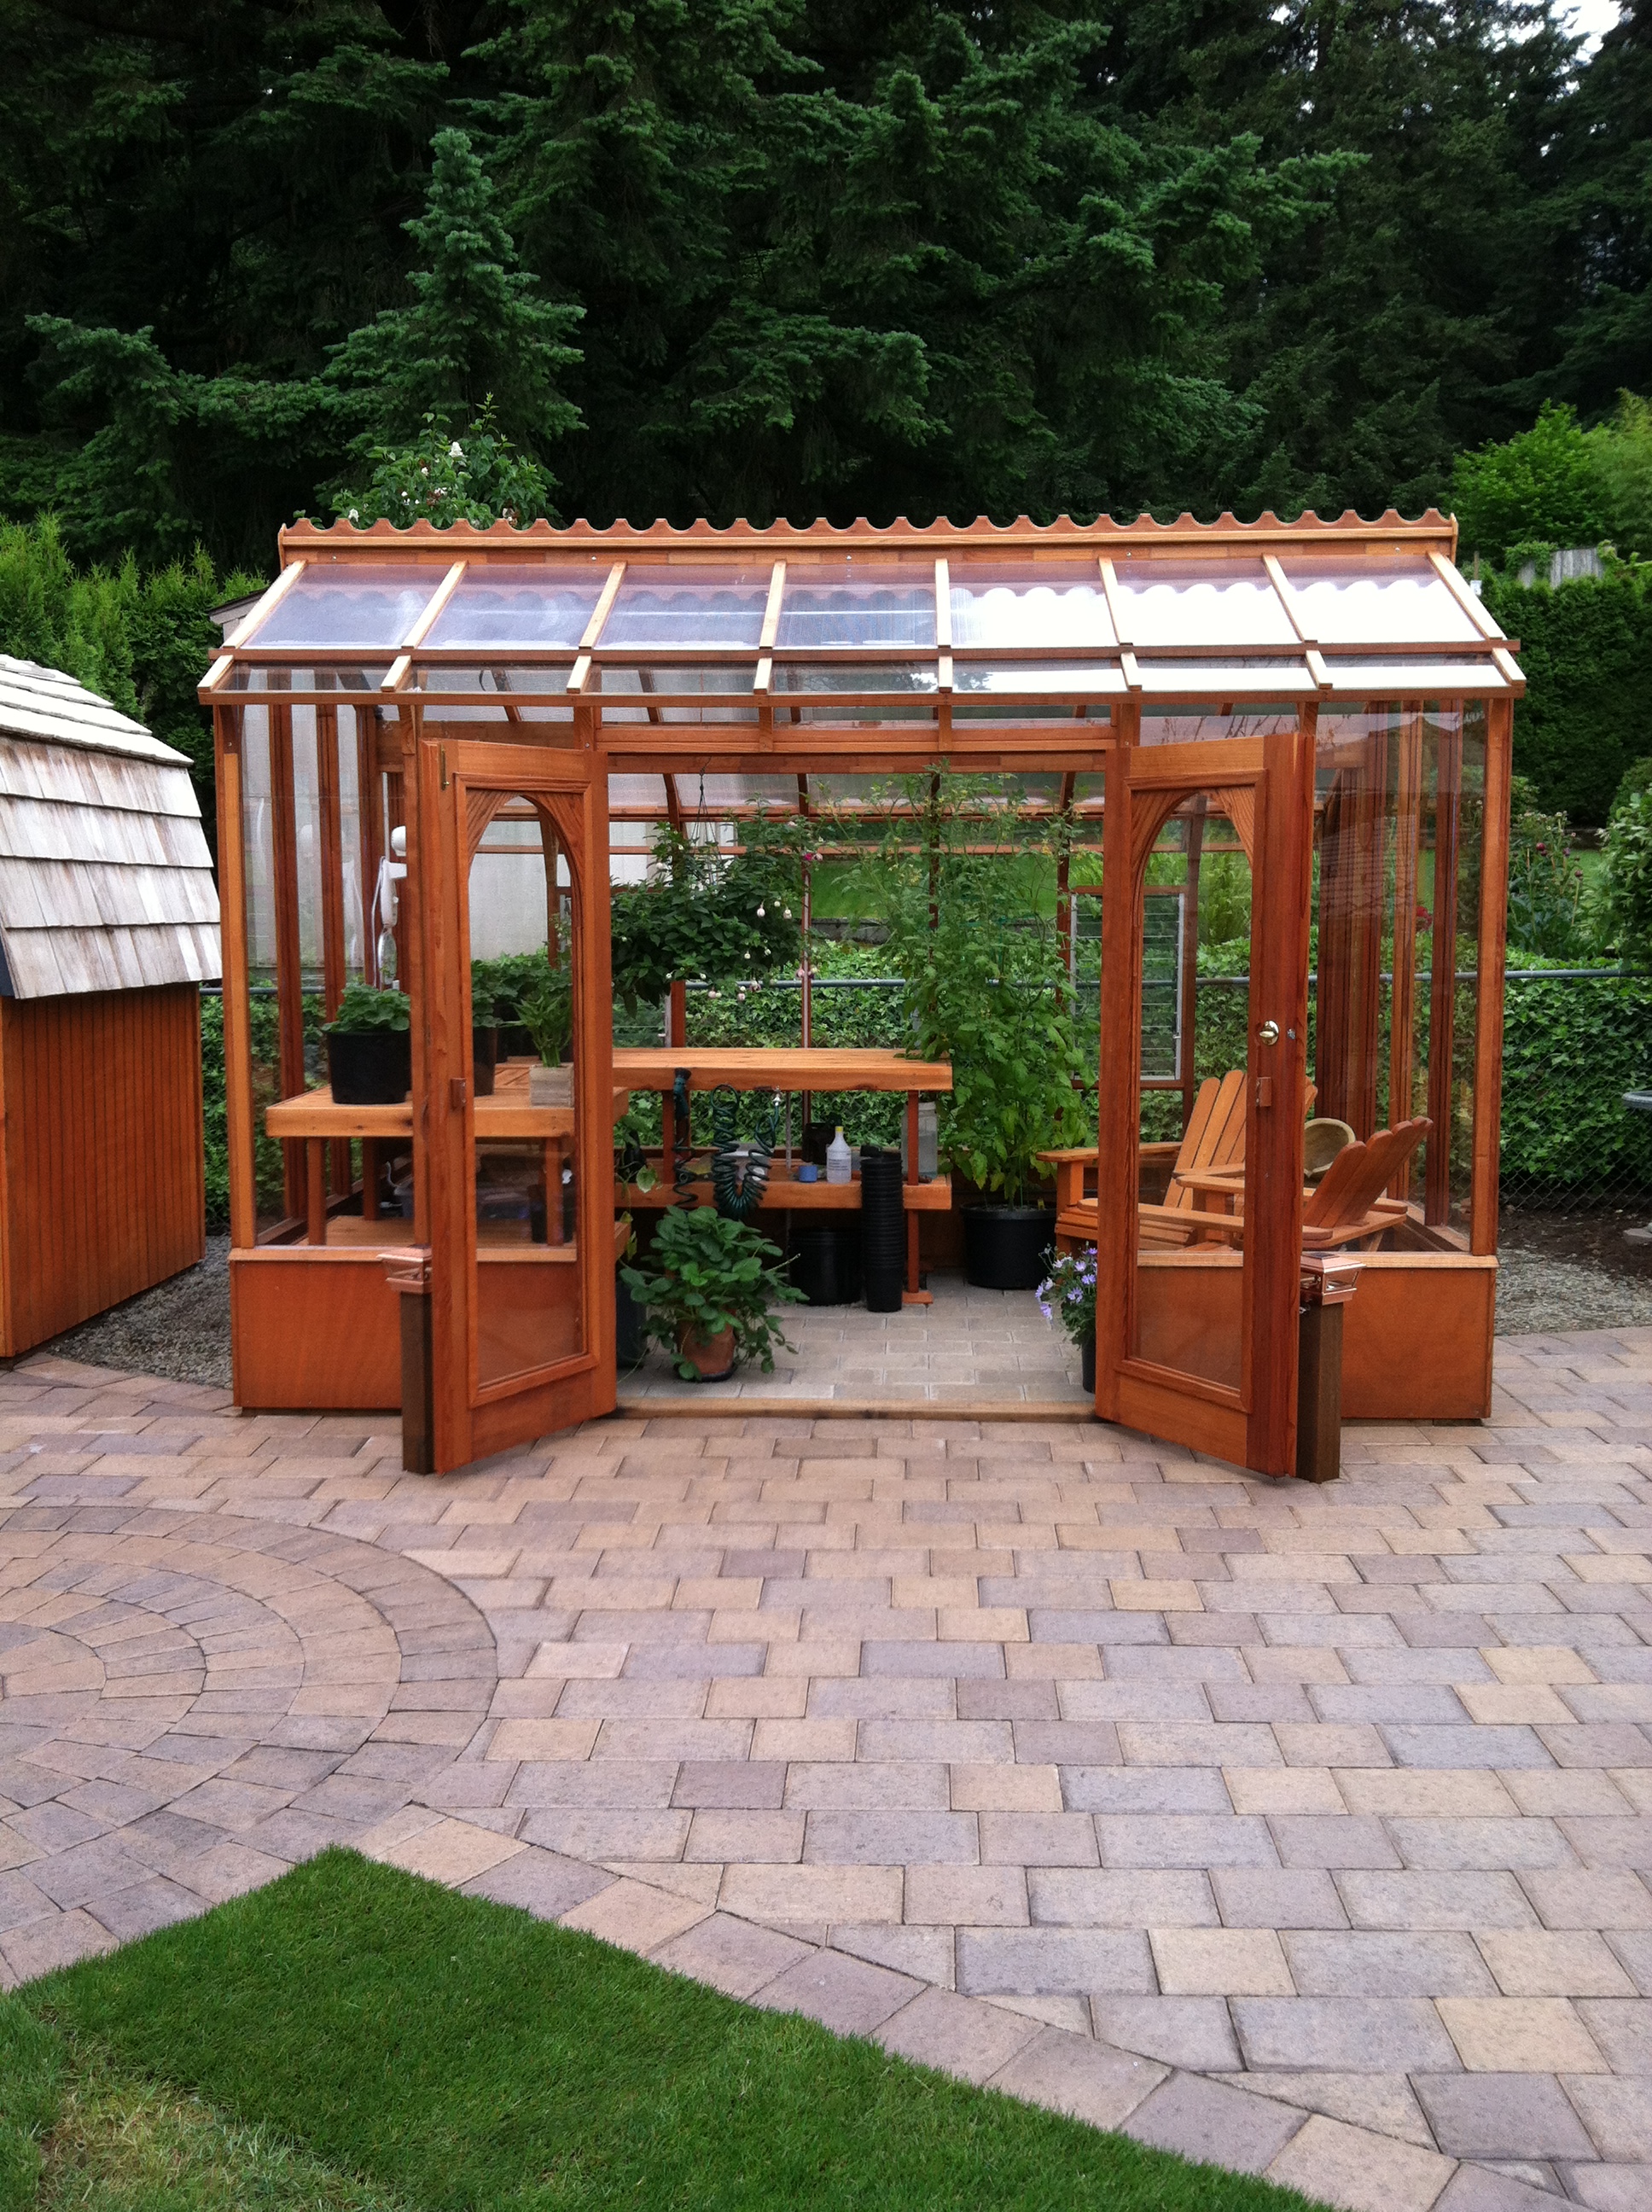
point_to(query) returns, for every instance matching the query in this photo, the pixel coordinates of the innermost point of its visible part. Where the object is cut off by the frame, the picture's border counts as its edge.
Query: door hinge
(442, 764)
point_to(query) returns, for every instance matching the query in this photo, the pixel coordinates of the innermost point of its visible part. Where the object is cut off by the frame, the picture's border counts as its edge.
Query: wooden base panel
(1416, 1338)
(314, 1330)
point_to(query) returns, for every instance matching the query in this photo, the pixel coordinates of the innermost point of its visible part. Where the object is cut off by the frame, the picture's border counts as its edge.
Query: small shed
(108, 928)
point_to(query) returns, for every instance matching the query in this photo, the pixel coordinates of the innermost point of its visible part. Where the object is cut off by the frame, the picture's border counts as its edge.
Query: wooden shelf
(653, 1068)
(505, 1113)
(786, 1193)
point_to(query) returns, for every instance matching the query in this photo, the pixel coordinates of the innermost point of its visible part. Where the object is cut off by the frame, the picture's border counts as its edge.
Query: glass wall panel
(258, 842)
(525, 1187)
(306, 825)
(1394, 1004)
(1189, 1294)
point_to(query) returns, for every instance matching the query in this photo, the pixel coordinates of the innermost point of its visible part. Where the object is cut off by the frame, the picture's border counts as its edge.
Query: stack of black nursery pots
(883, 1230)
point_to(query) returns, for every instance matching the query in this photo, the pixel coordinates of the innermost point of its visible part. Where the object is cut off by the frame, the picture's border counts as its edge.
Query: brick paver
(1306, 1830)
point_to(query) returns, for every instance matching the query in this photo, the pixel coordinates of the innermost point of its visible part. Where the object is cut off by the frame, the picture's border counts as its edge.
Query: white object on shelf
(928, 1143)
(839, 1161)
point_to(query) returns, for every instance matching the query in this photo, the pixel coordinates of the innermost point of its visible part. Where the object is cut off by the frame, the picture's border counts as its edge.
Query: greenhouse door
(1199, 1227)
(514, 851)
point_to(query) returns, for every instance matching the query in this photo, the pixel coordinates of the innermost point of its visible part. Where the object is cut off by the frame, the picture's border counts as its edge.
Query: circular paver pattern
(1306, 1830)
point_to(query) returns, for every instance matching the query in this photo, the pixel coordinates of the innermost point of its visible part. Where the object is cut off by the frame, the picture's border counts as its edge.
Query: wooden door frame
(1254, 1426)
(468, 1424)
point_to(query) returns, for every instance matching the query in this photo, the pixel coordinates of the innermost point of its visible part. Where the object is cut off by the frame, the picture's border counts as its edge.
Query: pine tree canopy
(800, 258)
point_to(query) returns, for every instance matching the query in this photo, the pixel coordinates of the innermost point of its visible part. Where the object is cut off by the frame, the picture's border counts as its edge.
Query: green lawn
(354, 2039)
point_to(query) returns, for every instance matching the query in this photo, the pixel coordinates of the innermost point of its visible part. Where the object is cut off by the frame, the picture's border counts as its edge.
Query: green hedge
(1587, 652)
(1572, 1047)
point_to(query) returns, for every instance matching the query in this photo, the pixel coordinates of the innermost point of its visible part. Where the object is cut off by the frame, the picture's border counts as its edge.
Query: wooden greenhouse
(1322, 709)
(108, 928)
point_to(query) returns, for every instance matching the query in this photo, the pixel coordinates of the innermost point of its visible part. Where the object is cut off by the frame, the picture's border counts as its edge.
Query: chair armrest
(1160, 1149)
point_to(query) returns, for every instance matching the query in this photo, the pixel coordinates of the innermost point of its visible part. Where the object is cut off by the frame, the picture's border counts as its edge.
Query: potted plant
(961, 877)
(707, 1290)
(370, 1047)
(1067, 1294)
(484, 1030)
(548, 1016)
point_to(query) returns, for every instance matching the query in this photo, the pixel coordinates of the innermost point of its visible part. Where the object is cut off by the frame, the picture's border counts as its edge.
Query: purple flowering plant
(1067, 1294)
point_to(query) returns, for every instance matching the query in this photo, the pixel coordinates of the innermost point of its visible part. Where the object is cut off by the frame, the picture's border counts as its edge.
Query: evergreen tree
(1603, 221)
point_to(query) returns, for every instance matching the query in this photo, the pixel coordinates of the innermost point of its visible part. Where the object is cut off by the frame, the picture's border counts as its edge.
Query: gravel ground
(1560, 1272)
(179, 1329)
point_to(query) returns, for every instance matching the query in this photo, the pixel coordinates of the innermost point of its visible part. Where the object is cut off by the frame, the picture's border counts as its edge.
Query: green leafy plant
(363, 1010)
(986, 984)
(484, 1009)
(547, 1012)
(439, 477)
(706, 915)
(1626, 895)
(704, 1275)
(1545, 884)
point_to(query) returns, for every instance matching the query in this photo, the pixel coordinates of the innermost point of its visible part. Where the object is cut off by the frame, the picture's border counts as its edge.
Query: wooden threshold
(853, 1409)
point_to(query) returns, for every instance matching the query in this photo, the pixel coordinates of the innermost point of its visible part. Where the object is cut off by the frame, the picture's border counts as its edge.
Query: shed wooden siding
(101, 1174)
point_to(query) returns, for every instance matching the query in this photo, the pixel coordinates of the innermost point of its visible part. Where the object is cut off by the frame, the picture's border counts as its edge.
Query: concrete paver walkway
(1307, 1831)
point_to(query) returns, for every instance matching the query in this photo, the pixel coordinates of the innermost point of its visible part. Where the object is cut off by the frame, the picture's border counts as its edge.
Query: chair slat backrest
(1360, 1174)
(1215, 1136)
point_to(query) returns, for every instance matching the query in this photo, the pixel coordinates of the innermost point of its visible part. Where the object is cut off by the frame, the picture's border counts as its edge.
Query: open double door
(509, 851)
(1196, 1343)
(1196, 1338)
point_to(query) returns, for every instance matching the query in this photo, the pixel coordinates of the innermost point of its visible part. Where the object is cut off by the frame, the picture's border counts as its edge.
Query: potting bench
(316, 1120)
(813, 1071)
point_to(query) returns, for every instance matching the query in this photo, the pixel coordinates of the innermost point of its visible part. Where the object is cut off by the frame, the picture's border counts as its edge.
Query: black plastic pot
(514, 1042)
(826, 1265)
(1005, 1247)
(484, 1057)
(1087, 1357)
(883, 1230)
(630, 1333)
(370, 1067)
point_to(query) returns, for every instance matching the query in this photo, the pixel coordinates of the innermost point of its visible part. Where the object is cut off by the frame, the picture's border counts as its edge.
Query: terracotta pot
(712, 1356)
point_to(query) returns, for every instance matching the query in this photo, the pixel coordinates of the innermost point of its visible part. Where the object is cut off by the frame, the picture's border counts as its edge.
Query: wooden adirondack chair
(1348, 1206)
(1214, 1138)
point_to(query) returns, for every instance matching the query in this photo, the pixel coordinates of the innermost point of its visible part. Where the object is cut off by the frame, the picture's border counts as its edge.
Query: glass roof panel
(358, 602)
(1089, 678)
(1173, 603)
(534, 606)
(648, 790)
(771, 793)
(1226, 679)
(856, 604)
(663, 607)
(1412, 679)
(1394, 601)
(880, 676)
(1041, 605)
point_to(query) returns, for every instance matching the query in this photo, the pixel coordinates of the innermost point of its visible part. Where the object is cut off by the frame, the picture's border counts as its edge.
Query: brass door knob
(1268, 1033)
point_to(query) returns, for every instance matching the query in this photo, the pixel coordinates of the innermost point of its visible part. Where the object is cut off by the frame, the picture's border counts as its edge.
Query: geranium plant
(704, 1276)
(362, 1009)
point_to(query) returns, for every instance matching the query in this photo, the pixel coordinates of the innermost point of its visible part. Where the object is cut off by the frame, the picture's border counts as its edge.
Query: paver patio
(1304, 1830)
